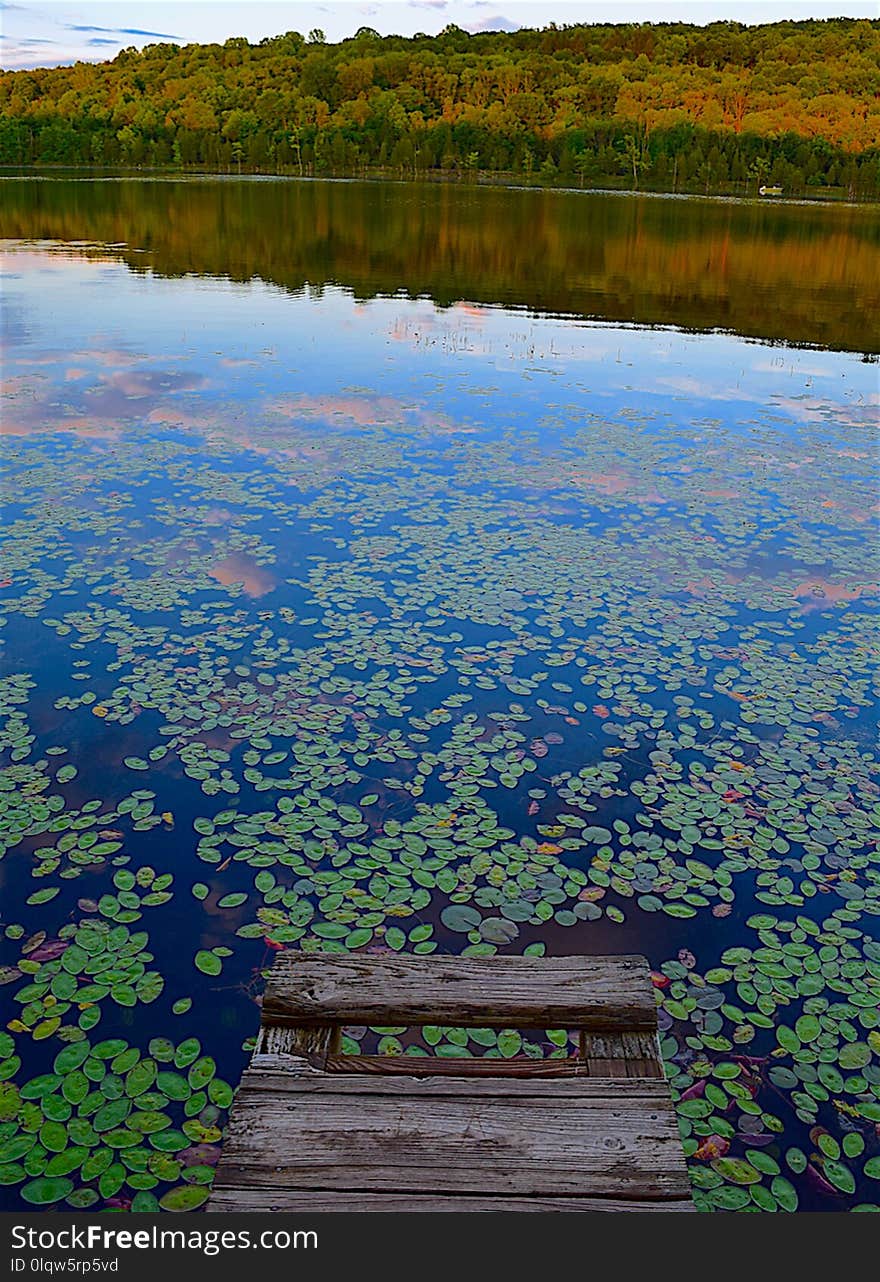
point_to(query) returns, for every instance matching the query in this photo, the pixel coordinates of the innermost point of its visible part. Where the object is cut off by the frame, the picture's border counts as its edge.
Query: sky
(51, 32)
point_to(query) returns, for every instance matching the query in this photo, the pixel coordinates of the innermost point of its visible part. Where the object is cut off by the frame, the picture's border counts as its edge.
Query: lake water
(435, 569)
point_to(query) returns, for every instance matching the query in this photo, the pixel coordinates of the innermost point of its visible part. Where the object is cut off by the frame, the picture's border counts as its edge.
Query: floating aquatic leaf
(46, 1190)
(736, 1170)
(840, 1176)
(460, 918)
(186, 1197)
(233, 900)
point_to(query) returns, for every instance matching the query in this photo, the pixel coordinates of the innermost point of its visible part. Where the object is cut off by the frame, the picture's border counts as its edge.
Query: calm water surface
(375, 578)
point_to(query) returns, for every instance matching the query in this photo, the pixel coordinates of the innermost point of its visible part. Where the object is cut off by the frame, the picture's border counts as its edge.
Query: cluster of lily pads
(784, 1031)
(368, 675)
(108, 1125)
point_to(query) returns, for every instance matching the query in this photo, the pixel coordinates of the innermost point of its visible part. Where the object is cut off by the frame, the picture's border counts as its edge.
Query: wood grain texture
(298, 1077)
(621, 1054)
(315, 1042)
(237, 1198)
(313, 1130)
(464, 1066)
(601, 993)
(571, 1137)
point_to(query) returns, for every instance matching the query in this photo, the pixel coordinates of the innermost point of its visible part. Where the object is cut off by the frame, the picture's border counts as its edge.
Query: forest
(724, 108)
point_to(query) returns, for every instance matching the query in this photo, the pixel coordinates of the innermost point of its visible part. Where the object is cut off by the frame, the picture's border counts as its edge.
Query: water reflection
(394, 625)
(788, 272)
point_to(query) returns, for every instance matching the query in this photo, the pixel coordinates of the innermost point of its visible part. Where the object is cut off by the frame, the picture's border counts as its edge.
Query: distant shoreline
(514, 182)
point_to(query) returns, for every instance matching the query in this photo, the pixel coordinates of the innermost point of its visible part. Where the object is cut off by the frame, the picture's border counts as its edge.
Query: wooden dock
(314, 1130)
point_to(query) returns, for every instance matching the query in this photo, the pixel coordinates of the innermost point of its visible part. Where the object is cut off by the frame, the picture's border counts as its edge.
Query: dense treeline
(719, 108)
(698, 265)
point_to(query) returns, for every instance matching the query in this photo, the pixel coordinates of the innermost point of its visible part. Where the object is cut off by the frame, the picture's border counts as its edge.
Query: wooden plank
(604, 993)
(236, 1198)
(459, 1066)
(634, 1055)
(641, 1052)
(601, 1056)
(314, 1042)
(569, 1137)
(271, 1075)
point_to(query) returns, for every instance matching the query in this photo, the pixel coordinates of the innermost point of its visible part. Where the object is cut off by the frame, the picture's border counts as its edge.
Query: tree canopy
(720, 107)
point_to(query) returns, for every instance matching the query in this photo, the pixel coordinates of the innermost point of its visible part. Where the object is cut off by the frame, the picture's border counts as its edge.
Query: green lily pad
(46, 1190)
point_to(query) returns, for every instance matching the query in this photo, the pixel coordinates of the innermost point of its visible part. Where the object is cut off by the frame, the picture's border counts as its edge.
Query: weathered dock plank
(392, 1135)
(301, 1202)
(433, 1066)
(625, 1054)
(604, 993)
(313, 1129)
(300, 1077)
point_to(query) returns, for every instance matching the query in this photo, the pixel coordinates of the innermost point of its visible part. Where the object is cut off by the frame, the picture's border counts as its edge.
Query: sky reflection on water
(381, 624)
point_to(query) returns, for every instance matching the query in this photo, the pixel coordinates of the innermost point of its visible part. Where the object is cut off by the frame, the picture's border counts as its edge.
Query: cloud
(243, 569)
(498, 23)
(427, 4)
(19, 59)
(122, 31)
(136, 31)
(101, 40)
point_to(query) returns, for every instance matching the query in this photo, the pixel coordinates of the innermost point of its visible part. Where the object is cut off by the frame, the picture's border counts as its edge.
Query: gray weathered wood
(621, 1054)
(573, 1137)
(236, 1198)
(277, 1039)
(603, 993)
(314, 1130)
(599, 1056)
(299, 1077)
(434, 1066)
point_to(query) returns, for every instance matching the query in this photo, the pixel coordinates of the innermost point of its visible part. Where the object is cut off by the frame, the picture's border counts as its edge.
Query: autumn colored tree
(668, 106)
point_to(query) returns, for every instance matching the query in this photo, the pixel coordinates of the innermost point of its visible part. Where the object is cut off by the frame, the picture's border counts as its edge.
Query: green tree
(636, 104)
